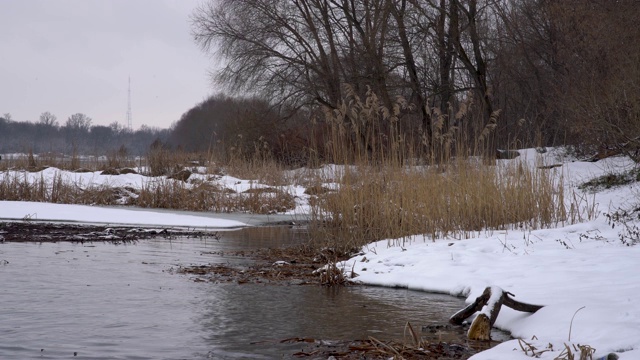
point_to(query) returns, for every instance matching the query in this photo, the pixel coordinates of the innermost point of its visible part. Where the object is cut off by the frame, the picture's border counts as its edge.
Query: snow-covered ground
(581, 272)
(44, 212)
(582, 266)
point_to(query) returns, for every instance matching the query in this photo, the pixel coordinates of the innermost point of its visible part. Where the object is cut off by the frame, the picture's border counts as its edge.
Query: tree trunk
(414, 80)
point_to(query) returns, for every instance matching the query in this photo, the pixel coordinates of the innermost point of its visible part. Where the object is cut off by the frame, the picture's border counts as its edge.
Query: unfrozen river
(105, 301)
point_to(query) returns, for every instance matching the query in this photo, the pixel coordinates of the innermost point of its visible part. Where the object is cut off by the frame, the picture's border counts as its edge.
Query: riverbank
(40, 232)
(581, 268)
(583, 274)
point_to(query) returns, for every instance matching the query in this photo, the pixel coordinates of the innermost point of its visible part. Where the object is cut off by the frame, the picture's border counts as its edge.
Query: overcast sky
(75, 56)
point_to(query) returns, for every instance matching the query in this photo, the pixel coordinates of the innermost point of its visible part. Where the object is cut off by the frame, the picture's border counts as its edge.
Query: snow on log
(488, 304)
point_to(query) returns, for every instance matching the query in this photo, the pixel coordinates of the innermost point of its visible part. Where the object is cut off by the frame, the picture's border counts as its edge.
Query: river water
(106, 301)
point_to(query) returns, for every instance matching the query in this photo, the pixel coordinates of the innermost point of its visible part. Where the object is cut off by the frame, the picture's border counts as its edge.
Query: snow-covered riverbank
(585, 266)
(582, 267)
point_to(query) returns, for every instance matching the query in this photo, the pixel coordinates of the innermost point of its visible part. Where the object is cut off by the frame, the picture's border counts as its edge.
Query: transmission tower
(129, 116)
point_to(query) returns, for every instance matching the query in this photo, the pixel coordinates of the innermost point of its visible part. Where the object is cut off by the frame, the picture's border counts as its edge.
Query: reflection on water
(122, 302)
(314, 312)
(263, 237)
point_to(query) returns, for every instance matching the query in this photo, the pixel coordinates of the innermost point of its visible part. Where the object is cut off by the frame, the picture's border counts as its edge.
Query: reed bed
(162, 193)
(394, 203)
(205, 196)
(446, 185)
(18, 186)
(371, 202)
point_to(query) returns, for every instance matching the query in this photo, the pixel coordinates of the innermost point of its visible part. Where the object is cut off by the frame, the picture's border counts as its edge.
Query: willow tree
(286, 49)
(435, 54)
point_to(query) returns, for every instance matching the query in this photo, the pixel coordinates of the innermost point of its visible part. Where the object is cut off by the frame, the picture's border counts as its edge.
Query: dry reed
(205, 196)
(18, 186)
(393, 203)
(382, 197)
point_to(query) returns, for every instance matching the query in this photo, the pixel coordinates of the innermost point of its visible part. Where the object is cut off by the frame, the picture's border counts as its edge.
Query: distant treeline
(77, 136)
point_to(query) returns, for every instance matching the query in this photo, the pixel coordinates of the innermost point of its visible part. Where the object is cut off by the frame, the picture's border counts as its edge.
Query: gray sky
(71, 56)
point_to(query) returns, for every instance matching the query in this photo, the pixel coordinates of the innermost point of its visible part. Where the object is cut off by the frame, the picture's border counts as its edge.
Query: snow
(36, 211)
(585, 277)
(564, 269)
(598, 274)
(496, 294)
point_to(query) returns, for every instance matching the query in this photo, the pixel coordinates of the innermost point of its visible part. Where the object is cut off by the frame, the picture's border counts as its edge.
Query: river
(105, 301)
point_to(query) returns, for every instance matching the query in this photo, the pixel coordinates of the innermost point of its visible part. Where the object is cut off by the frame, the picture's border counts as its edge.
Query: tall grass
(392, 203)
(18, 186)
(384, 195)
(205, 196)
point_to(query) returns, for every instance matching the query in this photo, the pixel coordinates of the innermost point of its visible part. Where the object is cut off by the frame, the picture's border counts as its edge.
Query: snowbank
(582, 266)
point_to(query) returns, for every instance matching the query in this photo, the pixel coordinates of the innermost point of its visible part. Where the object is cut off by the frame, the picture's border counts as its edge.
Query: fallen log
(488, 304)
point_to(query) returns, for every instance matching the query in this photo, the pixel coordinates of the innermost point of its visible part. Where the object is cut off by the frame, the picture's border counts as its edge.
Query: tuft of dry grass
(162, 161)
(264, 171)
(205, 196)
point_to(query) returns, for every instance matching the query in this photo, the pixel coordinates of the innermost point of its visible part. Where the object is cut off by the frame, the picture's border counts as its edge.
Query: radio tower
(129, 117)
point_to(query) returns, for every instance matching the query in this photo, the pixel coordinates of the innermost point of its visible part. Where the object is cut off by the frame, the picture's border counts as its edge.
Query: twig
(571, 323)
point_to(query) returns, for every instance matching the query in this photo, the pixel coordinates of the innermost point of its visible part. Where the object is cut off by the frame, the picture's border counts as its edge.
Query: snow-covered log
(488, 304)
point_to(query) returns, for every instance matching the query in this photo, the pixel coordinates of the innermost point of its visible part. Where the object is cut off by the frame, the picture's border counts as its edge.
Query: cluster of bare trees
(77, 135)
(236, 127)
(571, 69)
(555, 71)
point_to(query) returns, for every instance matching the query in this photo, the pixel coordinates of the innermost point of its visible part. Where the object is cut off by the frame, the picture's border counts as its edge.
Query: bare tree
(77, 130)
(399, 12)
(567, 70)
(48, 119)
(79, 121)
(280, 48)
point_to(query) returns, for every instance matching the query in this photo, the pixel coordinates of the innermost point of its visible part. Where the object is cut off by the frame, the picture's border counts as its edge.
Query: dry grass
(206, 196)
(389, 203)
(459, 188)
(18, 187)
(263, 170)
(156, 193)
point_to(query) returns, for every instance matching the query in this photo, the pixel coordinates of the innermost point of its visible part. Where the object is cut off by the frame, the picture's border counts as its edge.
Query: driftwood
(489, 304)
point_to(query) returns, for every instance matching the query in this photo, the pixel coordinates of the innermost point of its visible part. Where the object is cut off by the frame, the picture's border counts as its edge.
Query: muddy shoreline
(27, 231)
(292, 266)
